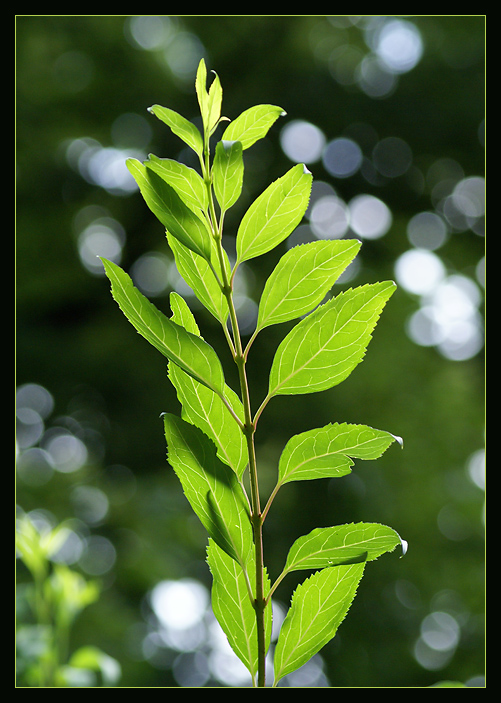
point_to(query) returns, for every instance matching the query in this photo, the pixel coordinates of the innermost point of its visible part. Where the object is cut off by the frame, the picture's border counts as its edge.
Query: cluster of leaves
(55, 597)
(211, 446)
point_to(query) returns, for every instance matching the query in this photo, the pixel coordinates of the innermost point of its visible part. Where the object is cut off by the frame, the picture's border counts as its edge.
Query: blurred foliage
(53, 600)
(76, 76)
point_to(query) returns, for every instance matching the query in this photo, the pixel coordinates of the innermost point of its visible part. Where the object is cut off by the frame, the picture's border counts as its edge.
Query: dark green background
(108, 382)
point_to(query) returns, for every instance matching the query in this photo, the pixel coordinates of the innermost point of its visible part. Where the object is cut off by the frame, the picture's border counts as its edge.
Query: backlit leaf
(187, 183)
(302, 278)
(181, 127)
(210, 486)
(204, 408)
(232, 604)
(228, 171)
(318, 607)
(252, 124)
(324, 348)
(188, 351)
(209, 102)
(328, 452)
(165, 203)
(274, 214)
(343, 544)
(198, 275)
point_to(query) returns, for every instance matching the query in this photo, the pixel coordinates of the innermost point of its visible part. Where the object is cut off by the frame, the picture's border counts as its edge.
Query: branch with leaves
(212, 445)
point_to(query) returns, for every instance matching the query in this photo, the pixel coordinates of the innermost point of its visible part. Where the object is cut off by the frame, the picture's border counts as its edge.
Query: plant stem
(248, 428)
(256, 517)
(257, 522)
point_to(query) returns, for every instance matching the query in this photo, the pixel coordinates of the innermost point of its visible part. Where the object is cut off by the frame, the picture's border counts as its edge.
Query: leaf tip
(398, 439)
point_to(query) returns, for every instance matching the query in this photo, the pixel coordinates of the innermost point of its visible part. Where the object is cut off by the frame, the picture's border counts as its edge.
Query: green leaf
(252, 124)
(318, 607)
(232, 606)
(188, 351)
(328, 452)
(210, 486)
(165, 203)
(210, 103)
(198, 275)
(201, 90)
(343, 544)
(96, 660)
(203, 408)
(182, 315)
(228, 172)
(181, 127)
(187, 183)
(274, 214)
(302, 278)
(324, 348)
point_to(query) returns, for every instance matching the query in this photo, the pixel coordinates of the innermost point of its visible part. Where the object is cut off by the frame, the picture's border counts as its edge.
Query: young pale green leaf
(165, 203)
(201, 90)
(215, 102)
(274, 214)
(343, 544)
(198, 275)
(318, 607)
(252, 124)
(210, 486)
(325, 347)
(187, 183)
(232, 605)
(210, 103)
(203, 408)
(328, 452)
(181, 127)
(302, 278)
(188, 351)
(228, 172)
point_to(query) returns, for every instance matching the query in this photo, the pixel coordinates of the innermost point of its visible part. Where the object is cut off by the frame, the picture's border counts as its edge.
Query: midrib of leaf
(313, 458)
(322, 550)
